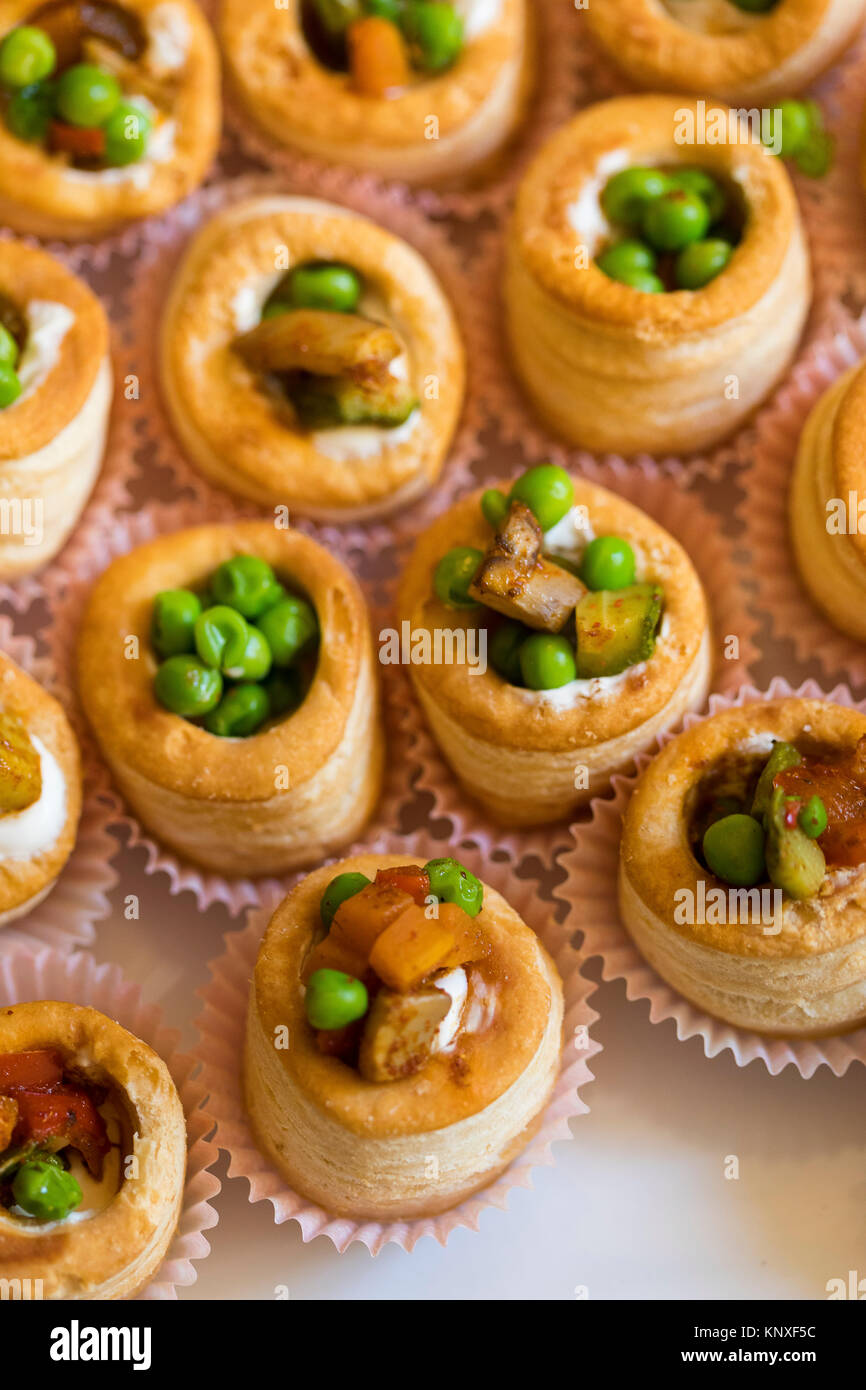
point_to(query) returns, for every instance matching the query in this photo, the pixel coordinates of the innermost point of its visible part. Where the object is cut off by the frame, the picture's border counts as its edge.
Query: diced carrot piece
(335, 955)
(409, 878)
(68, 1114)
(416, 945)
(378, 57)
(362, 918)
(88, 142)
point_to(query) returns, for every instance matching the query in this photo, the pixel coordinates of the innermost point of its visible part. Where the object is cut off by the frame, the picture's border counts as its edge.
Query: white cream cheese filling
(456, 985)
(169, 38)
(585, 214)
(478, 16)
(37, 828)
(47, 326)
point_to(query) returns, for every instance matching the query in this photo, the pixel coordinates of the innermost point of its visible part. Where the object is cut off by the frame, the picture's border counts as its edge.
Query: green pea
(547, 491)
(8, 348)
(815, 156)
(87, 95)
(173, 620)
(221, 636)
(504, 650)
(645, 281)
(27, 55)
(240, 712)
(334, 1000)
(608, 563)
(324, 285)
(285, 690)
(247, 584)
(254, 662)
(675, 219)
(434, 30)
(450, 882)
(698, 181)
(453, 575)
(547, 662)
(790, 127)
(29, 112)
(127, 131)
(698, 264)
(625, 258)
(494, 506)
(734, 850)
(289, 628)
(341, 888)
(813, 818)
(628, 193)
(184, 685)
(10, 385)
(45, 1190)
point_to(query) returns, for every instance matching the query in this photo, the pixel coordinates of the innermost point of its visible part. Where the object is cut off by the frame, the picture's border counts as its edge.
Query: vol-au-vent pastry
(657, 278)
(310, 358)
(739, 50)
(109, 111)
(229, 676)
(428, 91)
(55, 400)
(40, 791)
(403, 1036)
(743, 865)
(828, 485)
(585, 630)
(92, 1153)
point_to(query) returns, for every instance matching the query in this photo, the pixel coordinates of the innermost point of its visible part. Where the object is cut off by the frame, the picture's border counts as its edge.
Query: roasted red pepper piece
(30, 1071)
(67, 1113)
(87, 142)
(409, 878)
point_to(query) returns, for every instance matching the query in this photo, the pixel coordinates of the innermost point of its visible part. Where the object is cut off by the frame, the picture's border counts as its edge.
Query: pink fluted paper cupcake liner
(562, 83)
(65, 918)
(221, 1026)
(763, 512)
(161, 452)
(77, 979)
(66, 596)
(590, 889)
(722, 574)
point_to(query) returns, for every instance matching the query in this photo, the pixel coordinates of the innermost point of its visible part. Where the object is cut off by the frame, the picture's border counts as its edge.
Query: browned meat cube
(317, 341)
(516, 580)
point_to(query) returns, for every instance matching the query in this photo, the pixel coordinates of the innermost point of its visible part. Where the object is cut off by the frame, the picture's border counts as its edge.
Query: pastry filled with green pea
(593, 631)
(427, 91)
(743, 864)
(657, 279)
(298, 351)
(746, 52)
(244, 726)
(424, 1020)
(108, 111)
(92, 1153)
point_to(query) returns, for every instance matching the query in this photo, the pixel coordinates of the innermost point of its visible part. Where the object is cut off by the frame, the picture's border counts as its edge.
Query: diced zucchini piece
(616, 628)
(795, 863)
(323, 402)
(783, 756)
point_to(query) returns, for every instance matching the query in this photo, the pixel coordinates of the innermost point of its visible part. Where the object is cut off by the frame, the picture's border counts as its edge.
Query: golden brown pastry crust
(39, 195)
(809, 977)
(227, 422)
(114, 1253)
(770, 56)
(214, 799)
(477, 104)
(518, 753)
(23, 882)
(363, 1148)
(612, 368)
(830, 467)
(52, 439)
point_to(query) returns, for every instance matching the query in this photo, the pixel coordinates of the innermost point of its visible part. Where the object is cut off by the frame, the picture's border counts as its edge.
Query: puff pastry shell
(530, 756)
(446, 129)
(52, 438)
(224, 802)
(711, 48)
(115, 1252)
(226, 421)
(367, 1149)
(41, 194)
(807, 979)
(611, 368)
